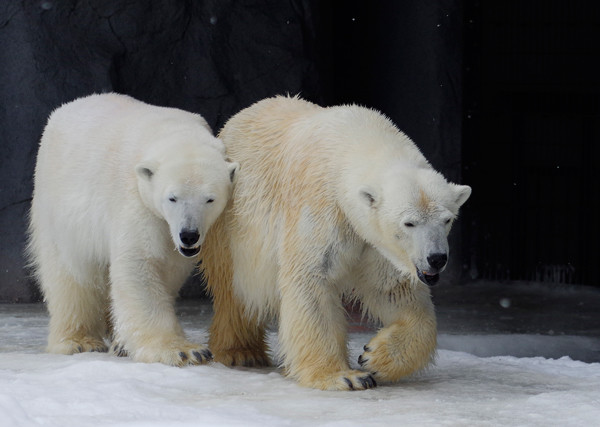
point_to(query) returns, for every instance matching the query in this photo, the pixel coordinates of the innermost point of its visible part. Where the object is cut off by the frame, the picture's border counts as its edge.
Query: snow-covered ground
(464, 388)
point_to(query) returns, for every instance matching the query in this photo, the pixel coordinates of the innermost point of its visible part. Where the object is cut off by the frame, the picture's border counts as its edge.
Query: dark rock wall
(405, 58)
(216, 57)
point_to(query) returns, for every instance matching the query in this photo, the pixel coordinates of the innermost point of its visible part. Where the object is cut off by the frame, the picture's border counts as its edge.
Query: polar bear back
(111, 127)
(294, 144)
(298, 163)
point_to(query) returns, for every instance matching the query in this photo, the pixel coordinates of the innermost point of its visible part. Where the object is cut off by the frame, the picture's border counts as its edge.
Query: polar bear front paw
(175, 353)
(198, 356)
(118, 350)
(343, 380)
(74, 345)
(393, 353)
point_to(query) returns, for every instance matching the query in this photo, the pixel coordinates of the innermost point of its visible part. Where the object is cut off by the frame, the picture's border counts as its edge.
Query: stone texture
(212, 57)
(216, 57)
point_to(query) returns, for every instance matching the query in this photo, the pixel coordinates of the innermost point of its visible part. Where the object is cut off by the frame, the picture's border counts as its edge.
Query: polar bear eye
(210, 200)
(448, 221)
(173, 199)
(409, 224)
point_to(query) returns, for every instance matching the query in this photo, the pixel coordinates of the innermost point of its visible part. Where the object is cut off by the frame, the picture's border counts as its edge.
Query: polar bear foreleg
(144, 319)
(407, 342)
(312, 335)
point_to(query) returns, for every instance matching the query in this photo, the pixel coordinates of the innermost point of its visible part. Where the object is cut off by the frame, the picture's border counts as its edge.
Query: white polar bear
(329, 203)
(124, 193)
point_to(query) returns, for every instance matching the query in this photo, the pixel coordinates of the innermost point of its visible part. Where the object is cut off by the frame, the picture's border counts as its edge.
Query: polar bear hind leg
(236, 339)
(77, 311)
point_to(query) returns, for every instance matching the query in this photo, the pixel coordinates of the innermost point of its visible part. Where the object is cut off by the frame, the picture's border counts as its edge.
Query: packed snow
(461, 389)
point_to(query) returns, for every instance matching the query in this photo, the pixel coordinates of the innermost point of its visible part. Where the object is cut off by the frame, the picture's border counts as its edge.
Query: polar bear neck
(374, 153)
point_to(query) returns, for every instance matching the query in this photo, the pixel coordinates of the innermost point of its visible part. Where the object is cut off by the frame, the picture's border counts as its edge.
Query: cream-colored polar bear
(124, 194)
(329, 203)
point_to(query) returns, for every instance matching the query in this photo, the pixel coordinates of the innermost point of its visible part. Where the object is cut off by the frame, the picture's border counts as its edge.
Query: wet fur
(297, 237)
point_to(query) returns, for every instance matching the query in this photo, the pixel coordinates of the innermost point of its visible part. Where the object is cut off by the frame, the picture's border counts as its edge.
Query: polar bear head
(408, 214)
(188, 190)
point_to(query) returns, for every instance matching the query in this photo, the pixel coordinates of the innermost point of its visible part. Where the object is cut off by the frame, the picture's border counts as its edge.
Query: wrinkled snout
(431, 275)
(189, 239)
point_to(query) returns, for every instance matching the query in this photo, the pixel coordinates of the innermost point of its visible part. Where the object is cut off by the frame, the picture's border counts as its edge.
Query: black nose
(437, 261)
(189, 237)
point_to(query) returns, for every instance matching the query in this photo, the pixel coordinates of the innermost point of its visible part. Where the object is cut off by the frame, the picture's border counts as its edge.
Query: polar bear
(330, 205)
(124, 193)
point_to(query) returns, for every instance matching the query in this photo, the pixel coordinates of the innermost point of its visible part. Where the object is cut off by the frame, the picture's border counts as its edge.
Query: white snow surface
(461, 389)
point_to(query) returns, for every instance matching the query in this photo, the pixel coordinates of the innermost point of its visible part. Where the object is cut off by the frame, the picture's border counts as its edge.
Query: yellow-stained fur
(317, 214)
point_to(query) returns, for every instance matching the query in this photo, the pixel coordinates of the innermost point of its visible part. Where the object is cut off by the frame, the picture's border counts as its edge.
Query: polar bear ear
(145, 170)
(369, 196)
(462, 193)
(233, 168)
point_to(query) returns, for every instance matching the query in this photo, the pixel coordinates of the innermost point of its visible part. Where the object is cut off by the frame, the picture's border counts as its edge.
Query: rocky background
(216, 57)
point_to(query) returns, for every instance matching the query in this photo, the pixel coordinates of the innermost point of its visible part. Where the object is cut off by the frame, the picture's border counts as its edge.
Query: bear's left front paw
(178, 352)
(392, 354)
(378, 361)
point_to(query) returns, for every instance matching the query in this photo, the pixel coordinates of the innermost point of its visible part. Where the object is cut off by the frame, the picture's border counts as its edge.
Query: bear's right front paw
(196, 357)
(118, 350)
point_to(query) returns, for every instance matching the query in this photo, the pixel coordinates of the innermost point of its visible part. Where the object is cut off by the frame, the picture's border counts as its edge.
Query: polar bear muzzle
(189, 252)
(437, 262)
(188, 239)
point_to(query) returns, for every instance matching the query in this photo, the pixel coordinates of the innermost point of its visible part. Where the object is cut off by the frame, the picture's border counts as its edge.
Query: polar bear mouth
(189, 252)
(428, 278)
